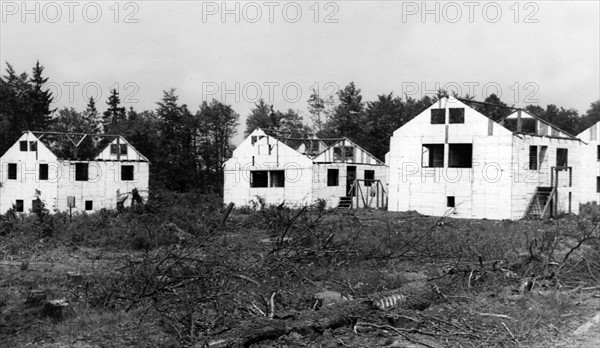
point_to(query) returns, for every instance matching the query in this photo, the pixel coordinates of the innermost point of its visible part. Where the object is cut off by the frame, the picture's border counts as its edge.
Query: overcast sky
(527, 52)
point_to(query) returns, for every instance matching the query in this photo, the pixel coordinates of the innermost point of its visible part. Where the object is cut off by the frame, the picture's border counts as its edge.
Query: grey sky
(551, 55)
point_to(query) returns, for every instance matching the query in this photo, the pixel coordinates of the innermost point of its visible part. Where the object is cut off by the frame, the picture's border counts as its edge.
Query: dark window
(81, 171)
(533, 158)
(19, 205)
(460, 155)
(12, 171)
(598, 184)
(438, 116)
(369, 177)
(333, 177)
(259, 178)
(528, 125)
(43, 171)
(277, 178)
(126, 173)
(348, 153)
(23, 145)
(598, 153)
(33, 146)
(89, 205)
(562, 157)
(113, 149)
(253, 139)
(457, 115)
(450, 201)
(433, 155)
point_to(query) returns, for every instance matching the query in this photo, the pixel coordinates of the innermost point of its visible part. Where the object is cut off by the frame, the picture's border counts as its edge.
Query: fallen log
(415, 295)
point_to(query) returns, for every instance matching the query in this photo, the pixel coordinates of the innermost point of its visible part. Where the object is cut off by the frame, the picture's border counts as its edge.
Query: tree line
(187, 149)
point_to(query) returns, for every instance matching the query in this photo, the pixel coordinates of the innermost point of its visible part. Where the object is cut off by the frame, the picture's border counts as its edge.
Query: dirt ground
(488, 297)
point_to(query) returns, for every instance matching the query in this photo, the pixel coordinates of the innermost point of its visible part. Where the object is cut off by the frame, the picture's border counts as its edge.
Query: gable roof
(325, 154)
(592, 133)
(83, 147)
(305, 143)
(329, 154)
(547, 130)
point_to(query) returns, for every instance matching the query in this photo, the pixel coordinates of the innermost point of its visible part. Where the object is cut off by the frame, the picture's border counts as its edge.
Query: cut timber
(416, 295)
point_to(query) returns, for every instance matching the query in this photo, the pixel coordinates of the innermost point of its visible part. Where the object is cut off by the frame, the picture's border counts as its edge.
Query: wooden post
(227, 212)
(377, 194)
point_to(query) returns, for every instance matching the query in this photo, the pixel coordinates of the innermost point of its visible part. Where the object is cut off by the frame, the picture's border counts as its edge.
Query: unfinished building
(69, 171)
(452, 160)
(299, 171)
(588, 178)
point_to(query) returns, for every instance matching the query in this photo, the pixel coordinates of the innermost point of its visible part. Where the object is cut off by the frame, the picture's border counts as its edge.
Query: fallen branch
(495, 315)
(272, 305)
(398, 331)
(417, 295)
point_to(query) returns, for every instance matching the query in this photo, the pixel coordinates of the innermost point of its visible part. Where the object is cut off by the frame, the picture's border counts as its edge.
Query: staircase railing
(380, 193)
(551, 200)
(531, 201)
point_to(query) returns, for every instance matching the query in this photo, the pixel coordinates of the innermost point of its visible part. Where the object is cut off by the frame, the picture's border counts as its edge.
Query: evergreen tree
(178, 165)
(115, 113)
(40, 100)
(260, 117)
(25, 105)
(92, 117)
(497, 109)
(591, 117)
(218, 122)
(347, 119)
(383, 117)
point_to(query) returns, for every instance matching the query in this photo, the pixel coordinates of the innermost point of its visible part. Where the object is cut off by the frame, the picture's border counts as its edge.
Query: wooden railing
(377, 193)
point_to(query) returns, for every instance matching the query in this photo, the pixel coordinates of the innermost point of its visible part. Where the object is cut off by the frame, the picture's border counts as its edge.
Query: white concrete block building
(452, 160)
(264, 166)
(33, 168)
(589, 185)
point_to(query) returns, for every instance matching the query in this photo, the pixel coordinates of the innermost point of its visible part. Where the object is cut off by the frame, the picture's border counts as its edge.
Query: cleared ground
(170, 275)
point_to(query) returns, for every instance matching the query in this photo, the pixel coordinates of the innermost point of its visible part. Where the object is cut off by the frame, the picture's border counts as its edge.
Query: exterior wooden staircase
(345, 203)
(541, 202)
(371, 196)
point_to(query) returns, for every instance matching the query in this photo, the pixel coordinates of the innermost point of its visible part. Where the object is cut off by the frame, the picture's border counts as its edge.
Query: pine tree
(40, 99)
(92, 117)
(260, 117)
(114, 114)
(348, 117)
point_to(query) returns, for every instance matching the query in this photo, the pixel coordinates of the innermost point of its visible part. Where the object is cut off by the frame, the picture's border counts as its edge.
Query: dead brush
(305, 235)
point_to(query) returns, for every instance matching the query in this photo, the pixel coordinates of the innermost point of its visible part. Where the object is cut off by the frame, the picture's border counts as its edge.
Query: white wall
(267, 153)
(526, 181)
(102, 185)
(305, 180)
(332, 194)
(28, 181)
(590, 166)
(104, 180)
(480, 191)
(132, 153)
